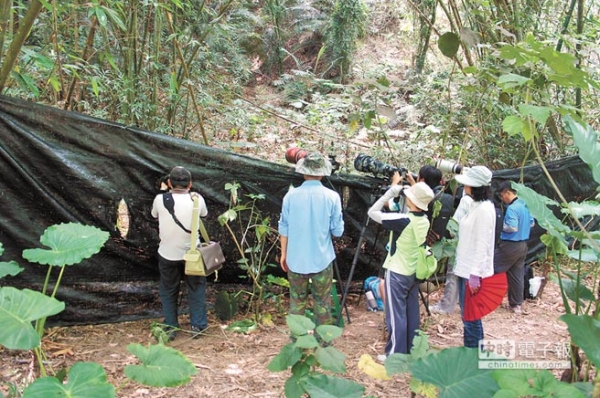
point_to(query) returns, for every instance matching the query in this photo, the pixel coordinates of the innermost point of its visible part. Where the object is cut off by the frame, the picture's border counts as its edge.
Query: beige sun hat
(420, 194)
(476, 176)
(314, 164)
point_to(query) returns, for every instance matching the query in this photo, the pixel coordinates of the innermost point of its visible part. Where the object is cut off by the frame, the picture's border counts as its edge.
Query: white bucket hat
(420, 194)
(314, 164)
(477, 176)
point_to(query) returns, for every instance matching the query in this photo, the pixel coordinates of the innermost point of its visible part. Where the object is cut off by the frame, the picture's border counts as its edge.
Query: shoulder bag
(207, 257)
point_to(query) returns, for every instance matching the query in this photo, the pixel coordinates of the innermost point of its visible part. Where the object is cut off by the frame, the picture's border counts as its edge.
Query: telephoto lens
(447, 166)
(368, 164)
(293, 155)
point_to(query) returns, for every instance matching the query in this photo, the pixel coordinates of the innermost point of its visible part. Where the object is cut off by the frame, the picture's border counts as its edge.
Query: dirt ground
(234, 365)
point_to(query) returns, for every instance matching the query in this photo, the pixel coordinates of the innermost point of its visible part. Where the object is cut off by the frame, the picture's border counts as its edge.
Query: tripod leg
(425, 302)
(354, 262)
(343, 306)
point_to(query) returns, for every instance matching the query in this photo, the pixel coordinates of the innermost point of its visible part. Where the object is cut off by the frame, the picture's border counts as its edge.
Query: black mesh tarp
(58, 166)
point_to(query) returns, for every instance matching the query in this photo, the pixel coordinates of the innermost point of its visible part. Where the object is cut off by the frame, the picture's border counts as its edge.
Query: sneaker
(381, 358)
(435, 309)
(197, 332)
(516, 309)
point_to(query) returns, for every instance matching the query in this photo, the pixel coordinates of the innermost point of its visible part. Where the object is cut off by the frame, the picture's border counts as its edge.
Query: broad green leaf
(330, 358)
(516, 381)
(18, 309)
(573, 290)
(545, 385)
(10, 268)
(538, 113)
(423, 389)
(449, 44)
(243, 326)
(537, 205)
(292, 387)
(329, 332)
(420, 346)
(69, 244)
(323, 386)
(398, 363)
(555, 242)
(288, 356)
(85, 380)
(299, 325)
(512, 80)
(583, 209)
(505, 394)
(455, 371)
(228, 216)
(589, 255)
(278, 280)
(162, 366)
(585, 333)
(586, 140)
(560, 62)
(513, 125)
(300, 369)
(1, 249)
(307, 341)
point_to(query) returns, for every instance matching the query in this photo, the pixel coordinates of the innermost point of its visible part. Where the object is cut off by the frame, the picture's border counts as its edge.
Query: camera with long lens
(368, 164)
(447, 166)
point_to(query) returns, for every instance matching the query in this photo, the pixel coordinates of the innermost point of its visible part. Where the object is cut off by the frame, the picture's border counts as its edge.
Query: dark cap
(180, 176)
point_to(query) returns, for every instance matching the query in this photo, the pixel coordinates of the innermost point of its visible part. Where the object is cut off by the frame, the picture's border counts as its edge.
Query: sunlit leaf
(585, 333)
(538, 113)
(329, 332)
(330, 358)
(586, 140)
(68, 244)
(537, 205)
(11, 268)
(299, 325)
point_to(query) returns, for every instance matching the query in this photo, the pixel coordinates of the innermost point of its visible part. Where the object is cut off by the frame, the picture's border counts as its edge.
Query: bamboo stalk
(18, 41)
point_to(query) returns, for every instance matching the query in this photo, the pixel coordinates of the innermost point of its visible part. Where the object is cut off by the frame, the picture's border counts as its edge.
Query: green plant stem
(47, 280)
(60, 275)
(38, 355)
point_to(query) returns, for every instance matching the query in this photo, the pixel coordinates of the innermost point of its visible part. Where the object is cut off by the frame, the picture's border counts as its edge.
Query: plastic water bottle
(371, 302)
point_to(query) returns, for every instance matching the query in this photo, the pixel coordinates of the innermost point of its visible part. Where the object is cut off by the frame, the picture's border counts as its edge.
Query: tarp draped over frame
(58, 166)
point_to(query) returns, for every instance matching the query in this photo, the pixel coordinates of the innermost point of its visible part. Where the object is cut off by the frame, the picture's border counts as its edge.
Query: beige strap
(195, 220)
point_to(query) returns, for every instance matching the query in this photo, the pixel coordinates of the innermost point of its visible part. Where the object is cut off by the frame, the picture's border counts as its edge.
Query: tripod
(346, 289)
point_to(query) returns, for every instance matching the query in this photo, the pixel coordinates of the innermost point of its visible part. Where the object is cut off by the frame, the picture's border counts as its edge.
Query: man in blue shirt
(511, 251)
(311, 214)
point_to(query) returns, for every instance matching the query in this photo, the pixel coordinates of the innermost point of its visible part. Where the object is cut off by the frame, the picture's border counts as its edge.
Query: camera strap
(169, 204)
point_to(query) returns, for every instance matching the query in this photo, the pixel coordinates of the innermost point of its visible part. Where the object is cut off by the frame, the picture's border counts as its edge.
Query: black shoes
(197, 332)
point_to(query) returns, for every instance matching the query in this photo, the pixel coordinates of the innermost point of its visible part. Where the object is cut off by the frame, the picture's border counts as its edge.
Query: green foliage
(308, 353)
(525, 382)
(345, 28)
(226, 305)
(85, 380)
(585, 333)
(448, 44)
(244, 326)
(254, 239)
(18, 308)
(161, 366)
(68, 244)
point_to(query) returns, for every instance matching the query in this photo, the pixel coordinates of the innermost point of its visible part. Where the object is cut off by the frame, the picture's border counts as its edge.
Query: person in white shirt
(476, 241)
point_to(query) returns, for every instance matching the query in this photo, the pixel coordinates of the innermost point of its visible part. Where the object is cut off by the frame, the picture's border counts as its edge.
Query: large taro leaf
(585, 333)
(323, 386)
(538, 207)
(161, 366)
(10, 268)
(85, 380)
(69, 244)
(455, 372)
(18, 308)
(586, 139)
(532, 383)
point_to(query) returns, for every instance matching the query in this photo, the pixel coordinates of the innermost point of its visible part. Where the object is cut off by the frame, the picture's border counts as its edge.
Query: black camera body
(368, 164)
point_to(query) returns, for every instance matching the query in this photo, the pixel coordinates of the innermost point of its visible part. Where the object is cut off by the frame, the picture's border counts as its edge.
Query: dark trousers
(509, 257)
(401, 311)
(473, 330)
(171, 274)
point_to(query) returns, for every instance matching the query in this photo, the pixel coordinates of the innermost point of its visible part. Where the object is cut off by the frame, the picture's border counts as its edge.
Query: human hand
(283, 264)
(410, 179)
(474, 283)
(396, 178)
